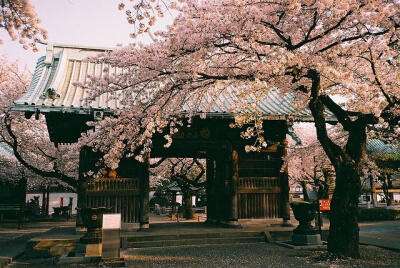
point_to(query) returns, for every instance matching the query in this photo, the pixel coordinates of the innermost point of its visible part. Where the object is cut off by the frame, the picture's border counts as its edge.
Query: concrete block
(300, 239)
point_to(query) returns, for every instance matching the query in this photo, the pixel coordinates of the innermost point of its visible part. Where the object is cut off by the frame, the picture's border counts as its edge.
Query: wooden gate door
(259, 186)
(119, 194)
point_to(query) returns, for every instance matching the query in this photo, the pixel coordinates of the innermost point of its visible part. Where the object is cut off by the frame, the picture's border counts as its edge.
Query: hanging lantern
(112, 174)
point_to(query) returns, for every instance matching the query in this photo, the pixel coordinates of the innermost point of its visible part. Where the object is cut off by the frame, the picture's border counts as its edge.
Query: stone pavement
(385, 234)
(254, 255)
(13, 241)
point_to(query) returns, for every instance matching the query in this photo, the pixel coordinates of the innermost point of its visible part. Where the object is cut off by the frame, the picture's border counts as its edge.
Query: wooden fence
(121, 195)
(259, 189)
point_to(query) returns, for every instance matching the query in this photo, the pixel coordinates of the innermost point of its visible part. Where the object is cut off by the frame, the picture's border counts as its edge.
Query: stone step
(154, 237)
(195, 241)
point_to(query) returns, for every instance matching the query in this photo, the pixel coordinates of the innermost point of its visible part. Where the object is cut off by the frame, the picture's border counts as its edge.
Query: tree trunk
(343, 233)
(47, 200)
(44, 202)
(373, 195)
(187, 206)
(304, 190)
(389, 199)
(386, 187)
(343, 237)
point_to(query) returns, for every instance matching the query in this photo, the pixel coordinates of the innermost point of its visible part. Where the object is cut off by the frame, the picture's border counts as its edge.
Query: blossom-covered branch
(28, 139)
(19, 19)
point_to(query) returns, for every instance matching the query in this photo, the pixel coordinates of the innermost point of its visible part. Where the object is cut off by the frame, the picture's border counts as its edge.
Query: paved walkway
(384, 234)
(13, 241)
(164, 225)
(254, 255)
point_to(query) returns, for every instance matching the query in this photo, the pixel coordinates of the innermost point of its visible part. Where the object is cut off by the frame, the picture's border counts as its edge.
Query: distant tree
(188, 174)
(306, 159)
(28, 138)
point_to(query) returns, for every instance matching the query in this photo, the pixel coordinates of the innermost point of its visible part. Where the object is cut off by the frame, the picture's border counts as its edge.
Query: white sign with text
(112, 221)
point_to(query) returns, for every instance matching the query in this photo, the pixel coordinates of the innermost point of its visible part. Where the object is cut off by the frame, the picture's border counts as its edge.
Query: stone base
(306, 240)
(88, 250)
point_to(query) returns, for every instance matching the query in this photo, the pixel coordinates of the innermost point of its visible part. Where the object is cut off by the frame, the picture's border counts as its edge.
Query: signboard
(111, 221)
(324, 205)
(111, 239)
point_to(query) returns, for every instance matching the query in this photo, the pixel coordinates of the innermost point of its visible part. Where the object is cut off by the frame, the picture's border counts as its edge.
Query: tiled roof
(380, 150)
(53, 83)
(53, 89)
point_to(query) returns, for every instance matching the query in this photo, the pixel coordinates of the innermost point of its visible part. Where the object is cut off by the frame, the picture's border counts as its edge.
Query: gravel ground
(255, 255)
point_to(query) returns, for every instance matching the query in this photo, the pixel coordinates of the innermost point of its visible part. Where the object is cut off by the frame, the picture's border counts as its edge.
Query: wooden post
(227, 176)
(81, 189)
(220, 197)
(285, 207)
(211, 202)
(87, 162)
(144, 195)
(234, 179)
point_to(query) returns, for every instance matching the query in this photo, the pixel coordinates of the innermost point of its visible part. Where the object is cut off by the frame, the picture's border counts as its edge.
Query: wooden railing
(114, 185)
(258, 205)
(121, 195)
(258, 183)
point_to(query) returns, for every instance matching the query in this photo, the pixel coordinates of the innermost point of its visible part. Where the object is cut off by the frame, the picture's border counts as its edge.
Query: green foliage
(378, 214)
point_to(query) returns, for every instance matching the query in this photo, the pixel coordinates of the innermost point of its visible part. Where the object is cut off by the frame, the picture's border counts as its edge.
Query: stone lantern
(305, 233)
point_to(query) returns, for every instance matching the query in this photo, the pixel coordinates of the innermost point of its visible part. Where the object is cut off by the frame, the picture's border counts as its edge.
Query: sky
(83, 22)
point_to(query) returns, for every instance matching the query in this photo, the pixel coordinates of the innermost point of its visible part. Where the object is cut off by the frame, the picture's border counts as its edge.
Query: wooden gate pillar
(144, 195)
(227, 177)
(87, 162)
(219, 191)
(211, 190)
(285, 207)
(234, 180)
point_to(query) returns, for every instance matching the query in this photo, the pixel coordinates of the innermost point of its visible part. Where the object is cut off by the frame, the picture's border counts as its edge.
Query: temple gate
(240, 185)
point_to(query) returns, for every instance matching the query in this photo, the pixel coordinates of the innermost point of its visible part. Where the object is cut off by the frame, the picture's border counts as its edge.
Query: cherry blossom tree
(28, 138)
(9, 170)
(19, 19)
(188, 173)
(313, 49)
(306, 159)
(143, 14)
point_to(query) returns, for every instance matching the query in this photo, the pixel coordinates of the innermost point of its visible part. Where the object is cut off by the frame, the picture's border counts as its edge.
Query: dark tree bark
(343, 237)
(187, 206)
(373, 195)
(386, 186)
(304, 190)
(44, 202)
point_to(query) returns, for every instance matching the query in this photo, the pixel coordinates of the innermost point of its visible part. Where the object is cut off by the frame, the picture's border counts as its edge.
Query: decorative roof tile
(53, 89)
